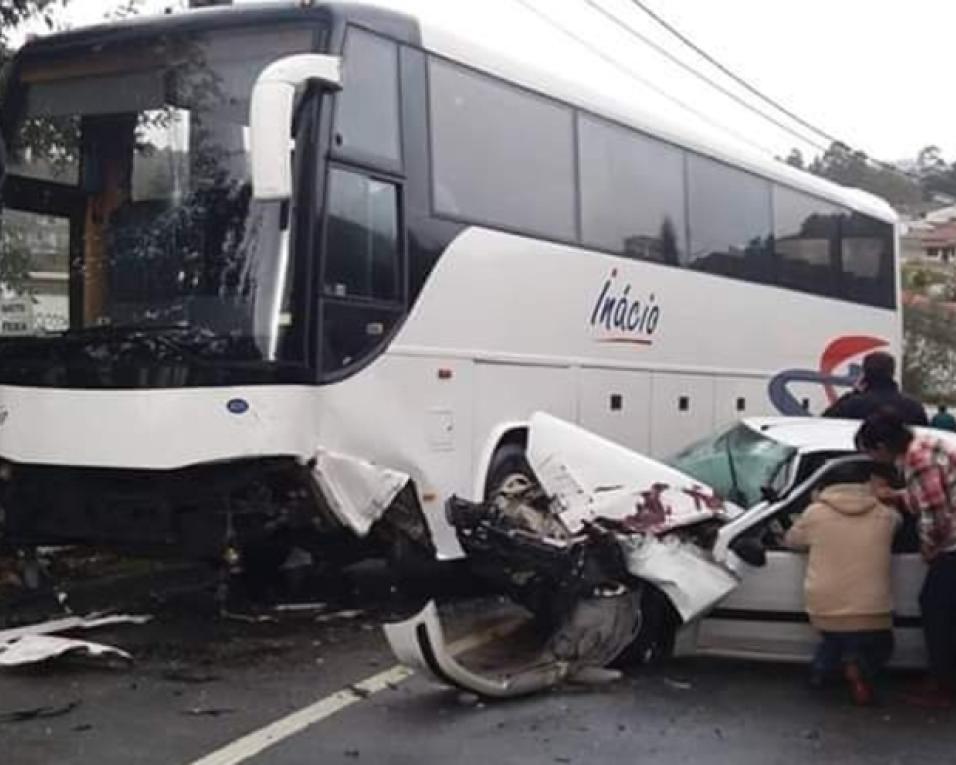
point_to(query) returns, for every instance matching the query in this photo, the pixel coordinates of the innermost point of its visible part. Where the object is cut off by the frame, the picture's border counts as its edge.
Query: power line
(733, 76)
(762, 96)
(614, 19)
(630, 73)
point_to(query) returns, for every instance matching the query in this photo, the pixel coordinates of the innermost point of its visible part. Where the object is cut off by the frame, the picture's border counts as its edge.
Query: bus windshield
(127, 204)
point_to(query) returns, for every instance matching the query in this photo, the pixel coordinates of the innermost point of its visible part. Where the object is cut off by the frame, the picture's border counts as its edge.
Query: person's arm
(929, 495)
(847, 407)
(798, 536)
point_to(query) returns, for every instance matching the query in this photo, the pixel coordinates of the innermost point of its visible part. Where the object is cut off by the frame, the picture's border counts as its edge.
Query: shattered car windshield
(128, 201)
(737, 463)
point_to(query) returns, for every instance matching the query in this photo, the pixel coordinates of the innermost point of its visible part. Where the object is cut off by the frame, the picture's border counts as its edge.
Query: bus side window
(367, 108)
(362, 252)
(362, 293)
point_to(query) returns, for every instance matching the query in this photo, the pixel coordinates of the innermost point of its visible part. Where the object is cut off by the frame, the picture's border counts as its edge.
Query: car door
(765, 618)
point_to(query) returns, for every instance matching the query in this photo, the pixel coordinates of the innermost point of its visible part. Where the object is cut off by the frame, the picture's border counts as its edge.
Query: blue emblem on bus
(237, 405)
(840, 352)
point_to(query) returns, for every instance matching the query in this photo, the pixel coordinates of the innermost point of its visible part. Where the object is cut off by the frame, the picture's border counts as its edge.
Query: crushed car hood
(591, 478)
(583, 547)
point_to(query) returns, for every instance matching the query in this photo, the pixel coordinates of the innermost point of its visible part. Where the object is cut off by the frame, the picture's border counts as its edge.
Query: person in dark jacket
(878, 390)
(943, 420)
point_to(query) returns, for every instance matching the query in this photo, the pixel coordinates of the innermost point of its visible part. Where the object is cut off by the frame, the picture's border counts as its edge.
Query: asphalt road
(200, 682)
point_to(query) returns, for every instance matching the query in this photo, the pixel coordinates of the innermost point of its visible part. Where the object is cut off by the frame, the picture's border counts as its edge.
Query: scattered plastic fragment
(39, 713)
(678, 685)
(34, 649)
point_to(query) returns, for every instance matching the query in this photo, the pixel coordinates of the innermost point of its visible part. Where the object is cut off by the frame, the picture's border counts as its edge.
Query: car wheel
(509, 462)
(654, 642)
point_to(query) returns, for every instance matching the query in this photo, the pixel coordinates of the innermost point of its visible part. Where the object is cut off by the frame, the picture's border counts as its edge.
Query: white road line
(253, 743)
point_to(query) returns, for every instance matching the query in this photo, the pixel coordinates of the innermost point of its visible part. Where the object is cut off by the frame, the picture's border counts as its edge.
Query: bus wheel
(508, 463)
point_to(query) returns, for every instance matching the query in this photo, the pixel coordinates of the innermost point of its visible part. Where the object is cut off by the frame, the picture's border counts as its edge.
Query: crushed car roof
(807, 433)
(817, 434)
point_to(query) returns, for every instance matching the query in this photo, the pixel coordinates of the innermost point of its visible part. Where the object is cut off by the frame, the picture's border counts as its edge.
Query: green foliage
(918, 278)
(15, 263)
(795, 159)
(929, 353)
(849, 167)
(15, 13)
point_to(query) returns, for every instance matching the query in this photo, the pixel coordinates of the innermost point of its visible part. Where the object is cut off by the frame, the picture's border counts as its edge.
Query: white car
(617, 553)
(779, 462)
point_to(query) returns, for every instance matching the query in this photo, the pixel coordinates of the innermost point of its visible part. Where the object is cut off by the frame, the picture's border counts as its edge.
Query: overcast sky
(877, 74)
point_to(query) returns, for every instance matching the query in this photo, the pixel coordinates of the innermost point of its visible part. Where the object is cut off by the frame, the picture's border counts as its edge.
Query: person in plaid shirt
(928, 466)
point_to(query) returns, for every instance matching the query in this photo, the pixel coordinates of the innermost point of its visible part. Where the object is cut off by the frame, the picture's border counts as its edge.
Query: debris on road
(36, 643)
(69, 623)
(595, 676)
(339, 616)
(466, 699)
(610, 548)
(39, 713)
(678, 685)
(247, 618)
(300, 607)
(208, 711)
(33, 649)
(191, 678)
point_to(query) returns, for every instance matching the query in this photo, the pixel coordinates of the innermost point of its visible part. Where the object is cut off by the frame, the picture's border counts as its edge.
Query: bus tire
(509, 460)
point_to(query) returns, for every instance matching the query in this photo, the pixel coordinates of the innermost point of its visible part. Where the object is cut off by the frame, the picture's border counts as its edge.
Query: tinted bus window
(866, 254)
(367, 117)
(362, 244)
(730, 221)
(632, 193)
(500, 155)
(806, 233)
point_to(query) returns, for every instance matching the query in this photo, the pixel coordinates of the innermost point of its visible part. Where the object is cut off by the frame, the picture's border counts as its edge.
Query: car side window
(809, 479)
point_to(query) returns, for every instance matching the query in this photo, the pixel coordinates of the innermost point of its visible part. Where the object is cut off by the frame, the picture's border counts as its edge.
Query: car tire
(509, 460)
(654, 643)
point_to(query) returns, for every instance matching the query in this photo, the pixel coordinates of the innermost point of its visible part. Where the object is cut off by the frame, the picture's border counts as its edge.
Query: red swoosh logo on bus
(843, 349)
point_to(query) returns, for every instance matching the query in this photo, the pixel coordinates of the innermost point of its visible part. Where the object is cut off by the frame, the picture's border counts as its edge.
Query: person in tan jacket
(848, 534)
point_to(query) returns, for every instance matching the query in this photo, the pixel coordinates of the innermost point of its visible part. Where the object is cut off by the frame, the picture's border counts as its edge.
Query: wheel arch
(512, 432)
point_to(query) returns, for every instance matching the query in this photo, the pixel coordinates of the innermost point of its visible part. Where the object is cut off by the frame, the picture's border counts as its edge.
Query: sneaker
(860, 690)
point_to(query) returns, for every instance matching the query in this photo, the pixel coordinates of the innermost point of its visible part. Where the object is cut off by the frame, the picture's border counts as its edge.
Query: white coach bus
(457, 241)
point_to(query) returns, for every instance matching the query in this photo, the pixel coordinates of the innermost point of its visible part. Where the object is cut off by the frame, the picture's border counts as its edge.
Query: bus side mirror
(270, 118)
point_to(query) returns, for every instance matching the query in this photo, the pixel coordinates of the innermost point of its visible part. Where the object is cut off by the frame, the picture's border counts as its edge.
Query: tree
(795, 159)
(15, 13)
(850, 167)
(930, 160)
(935, 175)
(929, 353)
